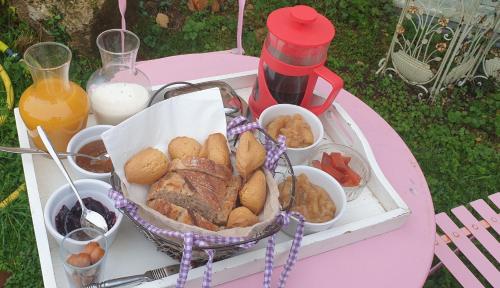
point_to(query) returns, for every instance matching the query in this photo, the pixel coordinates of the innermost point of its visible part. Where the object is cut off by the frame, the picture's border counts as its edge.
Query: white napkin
(197, 115)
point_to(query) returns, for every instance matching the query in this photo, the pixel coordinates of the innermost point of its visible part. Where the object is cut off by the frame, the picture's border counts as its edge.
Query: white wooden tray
(377, 210)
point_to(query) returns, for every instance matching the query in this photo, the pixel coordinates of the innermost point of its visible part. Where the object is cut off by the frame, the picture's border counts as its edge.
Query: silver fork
(150, 275)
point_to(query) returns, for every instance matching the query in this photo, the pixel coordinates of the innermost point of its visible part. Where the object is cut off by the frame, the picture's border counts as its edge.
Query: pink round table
(401, 258)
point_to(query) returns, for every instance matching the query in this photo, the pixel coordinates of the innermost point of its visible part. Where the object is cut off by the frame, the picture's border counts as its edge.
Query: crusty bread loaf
(181, 214)
(146, 167)
(201, 186)
(202, 165)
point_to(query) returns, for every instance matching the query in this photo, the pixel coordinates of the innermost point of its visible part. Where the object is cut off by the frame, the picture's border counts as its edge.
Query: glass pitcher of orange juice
(60, 106)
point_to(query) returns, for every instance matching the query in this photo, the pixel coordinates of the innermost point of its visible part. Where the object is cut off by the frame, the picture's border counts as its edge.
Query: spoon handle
(19, 150)
(53, 154)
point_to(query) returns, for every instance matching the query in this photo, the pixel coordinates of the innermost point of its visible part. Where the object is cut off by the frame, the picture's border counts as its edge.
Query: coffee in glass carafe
(293, 58)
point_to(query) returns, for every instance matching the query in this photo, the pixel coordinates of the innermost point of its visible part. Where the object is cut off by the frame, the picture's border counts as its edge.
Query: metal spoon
(18, 150)
(89, 218)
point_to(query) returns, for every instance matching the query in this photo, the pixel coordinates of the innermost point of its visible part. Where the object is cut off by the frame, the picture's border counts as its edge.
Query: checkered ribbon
(240, 124)
(190, 239)
(292, 255)
(274, 152)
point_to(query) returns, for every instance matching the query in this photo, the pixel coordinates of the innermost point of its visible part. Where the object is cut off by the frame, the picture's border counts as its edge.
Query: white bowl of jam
(88, 141)
(62, 211)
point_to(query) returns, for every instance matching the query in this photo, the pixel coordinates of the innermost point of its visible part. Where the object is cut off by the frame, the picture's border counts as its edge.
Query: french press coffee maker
(292, 59)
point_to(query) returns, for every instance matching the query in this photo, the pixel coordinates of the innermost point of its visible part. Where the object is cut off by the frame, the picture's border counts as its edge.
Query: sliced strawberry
(346, 159)
(353, 178)
(338, 162)
(334, 172)
(316, 164)
(349, 183)
(326, 160)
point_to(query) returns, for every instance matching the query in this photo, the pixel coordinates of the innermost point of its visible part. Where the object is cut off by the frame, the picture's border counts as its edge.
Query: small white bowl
(334, 190)
(297, 156)
(81, 138)
(64, 196)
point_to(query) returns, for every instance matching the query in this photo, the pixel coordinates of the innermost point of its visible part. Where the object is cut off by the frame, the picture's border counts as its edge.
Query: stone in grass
(162, 20)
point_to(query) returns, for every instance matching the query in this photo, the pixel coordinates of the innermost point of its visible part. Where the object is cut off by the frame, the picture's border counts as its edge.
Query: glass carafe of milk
(118, 90)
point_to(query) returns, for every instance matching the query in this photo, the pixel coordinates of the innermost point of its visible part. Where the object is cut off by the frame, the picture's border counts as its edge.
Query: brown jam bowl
(94, 148)
(88, 141)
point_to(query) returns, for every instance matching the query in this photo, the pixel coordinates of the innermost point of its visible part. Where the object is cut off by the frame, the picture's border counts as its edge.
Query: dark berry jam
(68, 220)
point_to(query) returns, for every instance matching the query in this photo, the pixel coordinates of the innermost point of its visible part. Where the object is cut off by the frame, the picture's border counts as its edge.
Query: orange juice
(58, 105)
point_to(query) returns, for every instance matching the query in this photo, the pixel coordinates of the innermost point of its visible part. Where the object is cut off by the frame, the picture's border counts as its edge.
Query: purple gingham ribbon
(239, 125)
(294, 250)
(185, 260)
(207, 275)
(292, 255)
(201, 240)
(268, 265)
(273, 152)
(189, 239)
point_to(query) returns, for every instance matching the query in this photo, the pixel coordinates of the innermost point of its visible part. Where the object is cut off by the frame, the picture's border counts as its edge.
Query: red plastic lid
(301, 25)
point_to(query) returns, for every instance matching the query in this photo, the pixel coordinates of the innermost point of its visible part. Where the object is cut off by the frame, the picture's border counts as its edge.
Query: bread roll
(146, 167)
(216, 149)
(241, 217)
(250, 154)
(253, 193)
(181, 147)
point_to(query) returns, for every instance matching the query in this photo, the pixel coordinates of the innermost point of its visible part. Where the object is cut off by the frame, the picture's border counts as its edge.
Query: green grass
(455, 139)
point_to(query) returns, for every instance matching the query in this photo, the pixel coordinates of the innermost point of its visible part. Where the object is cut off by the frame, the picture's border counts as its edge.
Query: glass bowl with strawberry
(344, 164)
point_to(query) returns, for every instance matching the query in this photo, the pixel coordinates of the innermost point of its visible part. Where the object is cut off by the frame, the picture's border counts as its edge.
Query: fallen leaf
(197, 5)
(215, 6)
(162, 20)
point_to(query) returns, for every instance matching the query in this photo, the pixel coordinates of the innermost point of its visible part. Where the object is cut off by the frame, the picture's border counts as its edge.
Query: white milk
(114, 102)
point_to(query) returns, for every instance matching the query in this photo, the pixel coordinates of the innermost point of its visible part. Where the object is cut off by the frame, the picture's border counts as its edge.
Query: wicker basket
(235, 106)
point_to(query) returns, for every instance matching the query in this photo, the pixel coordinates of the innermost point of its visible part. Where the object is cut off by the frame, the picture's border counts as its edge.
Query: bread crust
(241, 217)
(201, 186)
(217, 150)
(253, 194)
(181, 214)
(250, 155)
(181, 147)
